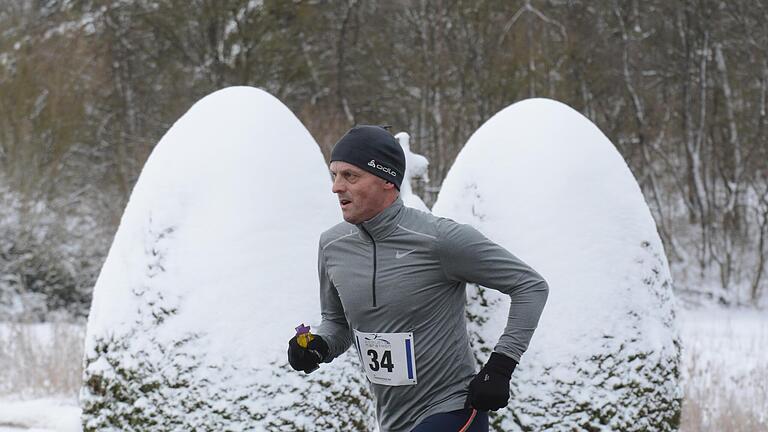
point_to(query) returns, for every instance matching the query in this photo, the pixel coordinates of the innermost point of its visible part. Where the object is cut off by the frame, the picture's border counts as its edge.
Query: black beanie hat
(373, 149)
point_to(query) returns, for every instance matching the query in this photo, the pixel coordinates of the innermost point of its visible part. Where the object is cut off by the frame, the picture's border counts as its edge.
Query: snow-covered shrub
(212, 267)
(542, 180)
(49, 256)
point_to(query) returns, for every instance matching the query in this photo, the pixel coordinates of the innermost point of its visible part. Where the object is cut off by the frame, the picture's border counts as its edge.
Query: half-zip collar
(383, 224)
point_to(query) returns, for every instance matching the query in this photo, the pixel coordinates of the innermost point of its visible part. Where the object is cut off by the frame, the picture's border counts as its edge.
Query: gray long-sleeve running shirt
(394, 287)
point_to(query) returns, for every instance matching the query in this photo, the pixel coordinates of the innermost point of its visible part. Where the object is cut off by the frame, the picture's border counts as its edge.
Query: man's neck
(386, 204)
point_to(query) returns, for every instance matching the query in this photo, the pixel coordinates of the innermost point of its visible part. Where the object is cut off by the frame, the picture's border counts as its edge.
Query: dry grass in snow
(725, 370)
(40, 360)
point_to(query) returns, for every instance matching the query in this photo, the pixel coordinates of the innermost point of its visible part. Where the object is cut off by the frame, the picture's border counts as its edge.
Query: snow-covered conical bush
(212, 267)
(415, 167)
(542, 180)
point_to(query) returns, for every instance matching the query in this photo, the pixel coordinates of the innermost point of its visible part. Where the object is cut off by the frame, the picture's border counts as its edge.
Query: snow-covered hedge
(543, 181)
(212, 267)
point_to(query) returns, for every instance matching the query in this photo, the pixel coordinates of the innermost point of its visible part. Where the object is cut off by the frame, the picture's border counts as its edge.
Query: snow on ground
(733, 340)
(38, 360)
(39, 415)
(40, 375)
(725, 369)
(724, 358)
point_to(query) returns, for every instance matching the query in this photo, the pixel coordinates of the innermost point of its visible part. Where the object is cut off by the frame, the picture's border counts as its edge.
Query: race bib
(387, 358)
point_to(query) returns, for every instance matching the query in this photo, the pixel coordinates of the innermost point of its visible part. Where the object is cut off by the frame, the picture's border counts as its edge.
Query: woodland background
(88, 87)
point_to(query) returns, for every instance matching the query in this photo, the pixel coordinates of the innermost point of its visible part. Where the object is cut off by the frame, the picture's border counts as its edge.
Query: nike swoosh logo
(399, 254)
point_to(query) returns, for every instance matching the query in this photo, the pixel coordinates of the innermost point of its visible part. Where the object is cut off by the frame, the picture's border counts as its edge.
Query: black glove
(307, 359)
(489, 389)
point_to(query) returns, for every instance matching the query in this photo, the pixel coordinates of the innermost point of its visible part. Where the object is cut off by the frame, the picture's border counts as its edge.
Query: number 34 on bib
(387, 358)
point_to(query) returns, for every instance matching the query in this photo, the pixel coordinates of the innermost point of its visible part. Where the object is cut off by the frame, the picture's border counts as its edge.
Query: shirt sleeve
(466, 255)
(334, 328)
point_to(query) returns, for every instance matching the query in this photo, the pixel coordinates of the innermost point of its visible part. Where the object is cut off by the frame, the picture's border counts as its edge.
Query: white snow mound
(543, 181)
(212, 267)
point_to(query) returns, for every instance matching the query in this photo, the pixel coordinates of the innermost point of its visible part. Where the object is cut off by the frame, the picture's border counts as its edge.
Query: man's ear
(388, 184)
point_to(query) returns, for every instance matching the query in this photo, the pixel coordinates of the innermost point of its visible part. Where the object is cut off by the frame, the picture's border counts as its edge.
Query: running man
(392, 284)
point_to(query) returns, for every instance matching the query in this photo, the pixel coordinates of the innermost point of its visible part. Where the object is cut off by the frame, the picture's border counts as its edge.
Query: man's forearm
(334, 328)
(526, 304)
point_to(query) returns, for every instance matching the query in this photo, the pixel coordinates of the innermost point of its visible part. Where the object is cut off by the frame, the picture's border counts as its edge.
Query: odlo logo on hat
(389, 171)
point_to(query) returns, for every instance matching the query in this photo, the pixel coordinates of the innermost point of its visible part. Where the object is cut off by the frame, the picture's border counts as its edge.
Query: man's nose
(338, 185)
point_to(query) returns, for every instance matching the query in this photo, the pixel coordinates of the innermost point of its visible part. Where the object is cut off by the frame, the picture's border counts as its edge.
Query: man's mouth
(344, 202)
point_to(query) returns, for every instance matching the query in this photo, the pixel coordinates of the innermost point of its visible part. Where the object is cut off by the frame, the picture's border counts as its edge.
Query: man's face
(361, 194)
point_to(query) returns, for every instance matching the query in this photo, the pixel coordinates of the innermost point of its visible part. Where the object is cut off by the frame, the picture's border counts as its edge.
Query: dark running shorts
(454, 421)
